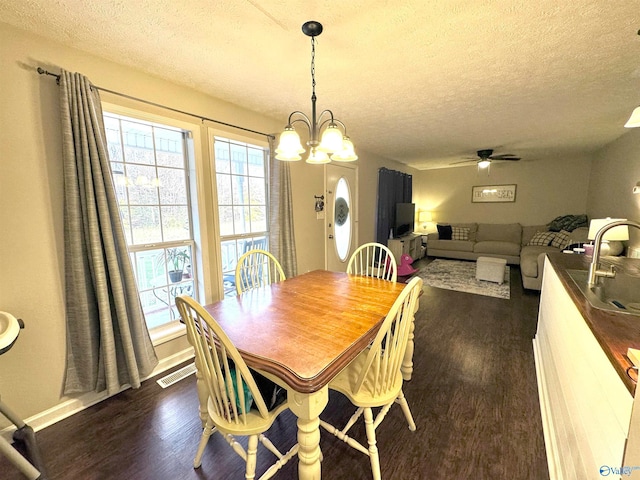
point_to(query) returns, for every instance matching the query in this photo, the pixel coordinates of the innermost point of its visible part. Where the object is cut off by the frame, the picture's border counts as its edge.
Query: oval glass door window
(342, 219)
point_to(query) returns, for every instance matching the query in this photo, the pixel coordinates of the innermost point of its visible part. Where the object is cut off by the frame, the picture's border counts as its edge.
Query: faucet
(594, 273)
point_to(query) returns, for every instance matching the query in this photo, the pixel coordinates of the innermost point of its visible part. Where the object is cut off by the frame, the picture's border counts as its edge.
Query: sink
(619, 294)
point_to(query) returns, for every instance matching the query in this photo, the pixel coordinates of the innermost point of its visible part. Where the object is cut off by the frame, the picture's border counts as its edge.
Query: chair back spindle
(225, 373)
(373, 260)
(257, 268)
(384, 359)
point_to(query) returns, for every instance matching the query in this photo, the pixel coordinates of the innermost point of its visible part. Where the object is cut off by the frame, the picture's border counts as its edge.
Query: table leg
(307, 407)
(407, 362)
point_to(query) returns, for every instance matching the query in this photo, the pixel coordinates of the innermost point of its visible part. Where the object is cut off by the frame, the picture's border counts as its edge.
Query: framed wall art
(493, 193)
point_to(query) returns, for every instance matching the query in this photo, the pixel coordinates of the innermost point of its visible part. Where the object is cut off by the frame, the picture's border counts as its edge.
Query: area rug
(460, 275)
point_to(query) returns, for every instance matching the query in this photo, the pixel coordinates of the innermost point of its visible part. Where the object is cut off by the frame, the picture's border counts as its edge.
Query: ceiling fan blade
(505, 156)
(465, 161)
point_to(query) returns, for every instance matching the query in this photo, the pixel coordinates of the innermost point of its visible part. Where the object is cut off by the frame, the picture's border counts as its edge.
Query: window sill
(167, 332)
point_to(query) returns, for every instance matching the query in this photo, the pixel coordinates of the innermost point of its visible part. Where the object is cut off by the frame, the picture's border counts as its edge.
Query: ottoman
(490, 269)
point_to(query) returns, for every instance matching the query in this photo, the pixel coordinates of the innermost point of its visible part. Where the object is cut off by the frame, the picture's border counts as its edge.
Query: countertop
(615, 332)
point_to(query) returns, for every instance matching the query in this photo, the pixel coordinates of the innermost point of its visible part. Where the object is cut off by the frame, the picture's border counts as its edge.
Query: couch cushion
(529, 259)
(456, 245)
(507, 232)
(542, 239)
(579, 235)
(497, 248)
(444, 231)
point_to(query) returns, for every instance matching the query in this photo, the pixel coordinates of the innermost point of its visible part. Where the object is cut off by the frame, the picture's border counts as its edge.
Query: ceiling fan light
(317, 157)
(484, 163)
(634, 119)
(347, 154)
(331, 140)
(289, 147)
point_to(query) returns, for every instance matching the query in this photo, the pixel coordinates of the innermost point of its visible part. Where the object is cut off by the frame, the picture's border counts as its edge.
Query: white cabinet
(410, 244)
(585, 406)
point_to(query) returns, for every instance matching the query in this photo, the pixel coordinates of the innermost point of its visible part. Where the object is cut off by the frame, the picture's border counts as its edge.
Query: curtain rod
(42, 71)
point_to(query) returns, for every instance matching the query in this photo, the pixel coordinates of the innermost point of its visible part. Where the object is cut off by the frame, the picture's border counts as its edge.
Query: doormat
(461, 276)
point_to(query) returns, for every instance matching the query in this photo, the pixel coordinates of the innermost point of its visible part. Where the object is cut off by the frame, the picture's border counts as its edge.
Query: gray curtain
(393, 187)
(281, 237)
(108, 343)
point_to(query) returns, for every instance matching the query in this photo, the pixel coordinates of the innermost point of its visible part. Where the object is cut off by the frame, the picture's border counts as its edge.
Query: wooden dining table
(302, 332)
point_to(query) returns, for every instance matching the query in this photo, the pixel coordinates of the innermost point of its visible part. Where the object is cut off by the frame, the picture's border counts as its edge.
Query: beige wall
(544, 191)
(615, 171)
(308, 182)
(31, 198)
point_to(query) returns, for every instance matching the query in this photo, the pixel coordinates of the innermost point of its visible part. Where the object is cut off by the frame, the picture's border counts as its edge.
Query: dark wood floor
(473, 397)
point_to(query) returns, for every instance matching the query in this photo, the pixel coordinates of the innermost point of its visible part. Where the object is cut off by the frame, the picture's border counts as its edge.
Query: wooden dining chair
(257, 268)
(235, 405)
(374, 378)
(373, 260)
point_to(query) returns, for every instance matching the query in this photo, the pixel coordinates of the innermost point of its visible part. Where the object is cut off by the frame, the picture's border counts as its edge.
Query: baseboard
(72, 406)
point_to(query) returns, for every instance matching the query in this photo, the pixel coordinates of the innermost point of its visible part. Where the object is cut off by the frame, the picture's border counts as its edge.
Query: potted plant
(176, 259)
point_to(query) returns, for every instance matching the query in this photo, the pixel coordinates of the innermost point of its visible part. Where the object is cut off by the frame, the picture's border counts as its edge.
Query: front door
(341, 215)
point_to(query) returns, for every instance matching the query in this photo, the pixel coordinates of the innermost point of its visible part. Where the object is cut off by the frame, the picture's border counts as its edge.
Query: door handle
(330, 236)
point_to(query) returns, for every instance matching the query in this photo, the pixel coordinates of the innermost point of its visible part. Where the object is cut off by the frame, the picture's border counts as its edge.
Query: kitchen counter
(615, 332)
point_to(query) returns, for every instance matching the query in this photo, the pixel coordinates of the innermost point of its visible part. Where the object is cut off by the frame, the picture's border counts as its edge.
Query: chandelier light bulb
(317, 157)
(331, 139)
(347, 154)
(289, 148)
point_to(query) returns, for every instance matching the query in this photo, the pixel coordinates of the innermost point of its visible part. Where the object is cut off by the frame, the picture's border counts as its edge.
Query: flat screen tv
(405, 218)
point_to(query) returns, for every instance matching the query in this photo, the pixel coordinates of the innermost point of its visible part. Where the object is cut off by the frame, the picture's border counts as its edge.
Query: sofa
(468, 241)
(526, 246)
(533, 253)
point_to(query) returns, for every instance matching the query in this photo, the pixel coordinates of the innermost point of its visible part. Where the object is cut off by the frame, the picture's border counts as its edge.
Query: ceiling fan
(486, 156)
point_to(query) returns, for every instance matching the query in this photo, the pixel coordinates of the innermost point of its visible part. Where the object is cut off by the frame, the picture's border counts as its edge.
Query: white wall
(615, 171)
(31, 199)
(544, 190)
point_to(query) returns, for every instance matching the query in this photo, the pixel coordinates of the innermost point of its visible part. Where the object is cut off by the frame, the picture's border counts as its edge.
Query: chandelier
(326, 141)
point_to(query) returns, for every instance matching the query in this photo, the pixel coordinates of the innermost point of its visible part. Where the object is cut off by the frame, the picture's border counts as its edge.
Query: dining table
(302, 332)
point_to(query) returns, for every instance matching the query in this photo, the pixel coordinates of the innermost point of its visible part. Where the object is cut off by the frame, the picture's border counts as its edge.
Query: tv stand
(411, 244)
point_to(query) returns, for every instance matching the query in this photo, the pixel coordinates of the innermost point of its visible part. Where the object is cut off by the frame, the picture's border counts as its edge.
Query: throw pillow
(542, 239)
(561, 239)
(444, 232)
(459, 233)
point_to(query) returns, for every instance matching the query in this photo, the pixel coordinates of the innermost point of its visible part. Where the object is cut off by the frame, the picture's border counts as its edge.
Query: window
(342, 219)
(241, 178)
(150, 168)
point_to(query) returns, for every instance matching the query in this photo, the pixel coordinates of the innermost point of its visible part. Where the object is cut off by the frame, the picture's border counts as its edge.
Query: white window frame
(197, 192)
(255, 141)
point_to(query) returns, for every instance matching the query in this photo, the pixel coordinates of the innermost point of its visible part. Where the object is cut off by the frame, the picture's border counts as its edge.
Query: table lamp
(611, 242)
(424, 217)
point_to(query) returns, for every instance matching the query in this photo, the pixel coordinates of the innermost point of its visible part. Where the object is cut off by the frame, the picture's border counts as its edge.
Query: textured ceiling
(424, 83)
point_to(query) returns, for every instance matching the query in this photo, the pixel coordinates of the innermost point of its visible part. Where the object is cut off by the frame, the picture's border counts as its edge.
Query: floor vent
(176, 376)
